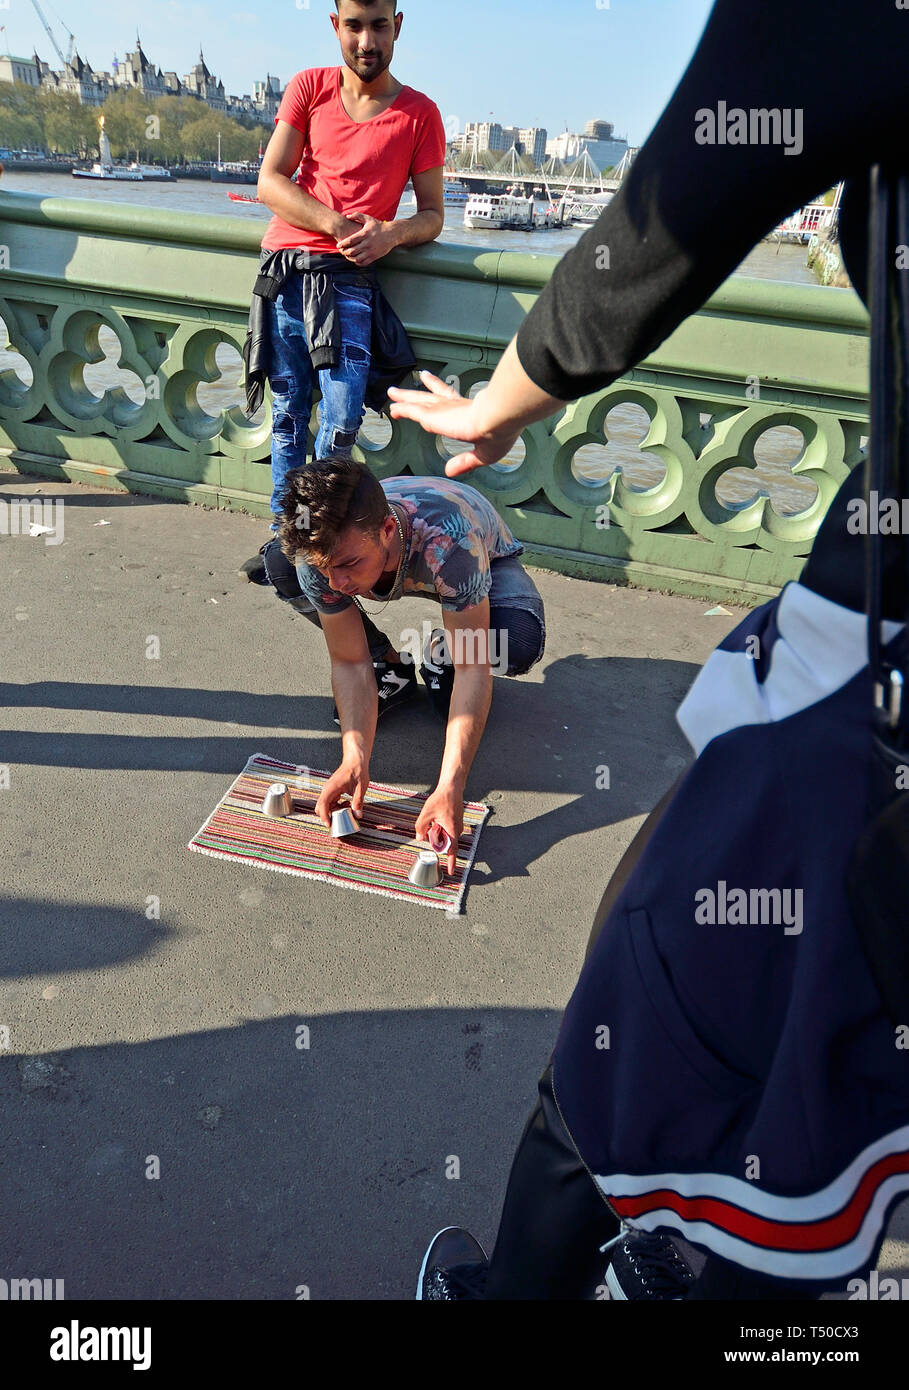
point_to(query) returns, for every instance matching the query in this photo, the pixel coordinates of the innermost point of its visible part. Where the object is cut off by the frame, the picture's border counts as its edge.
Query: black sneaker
(647, 1267)
(253, 570)
(437, 671)
(454, 1268)
(397, 682)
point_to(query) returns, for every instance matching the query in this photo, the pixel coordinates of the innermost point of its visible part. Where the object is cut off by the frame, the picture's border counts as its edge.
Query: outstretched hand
(441, 410)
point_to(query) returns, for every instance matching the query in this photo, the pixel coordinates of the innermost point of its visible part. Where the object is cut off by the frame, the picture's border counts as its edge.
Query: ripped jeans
(292, 379)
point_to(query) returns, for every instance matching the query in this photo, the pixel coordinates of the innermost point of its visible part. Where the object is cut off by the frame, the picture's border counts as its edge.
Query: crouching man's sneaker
(437, 671)
(397, 682)
(253, 569)
(647, 1267)
(454, 1268)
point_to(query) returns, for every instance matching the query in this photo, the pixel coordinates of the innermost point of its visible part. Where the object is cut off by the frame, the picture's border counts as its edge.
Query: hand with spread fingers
(491, 421)
(441, 410)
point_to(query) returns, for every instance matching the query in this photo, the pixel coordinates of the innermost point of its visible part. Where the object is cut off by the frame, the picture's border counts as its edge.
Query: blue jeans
(515, 610)
(292, 380)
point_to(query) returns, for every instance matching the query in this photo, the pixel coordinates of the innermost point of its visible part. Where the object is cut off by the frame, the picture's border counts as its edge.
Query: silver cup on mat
(343, 823)
(278, 800)
(425, 871)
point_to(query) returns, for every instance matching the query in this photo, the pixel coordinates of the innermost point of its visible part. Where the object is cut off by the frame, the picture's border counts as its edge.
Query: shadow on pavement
(280, 1165)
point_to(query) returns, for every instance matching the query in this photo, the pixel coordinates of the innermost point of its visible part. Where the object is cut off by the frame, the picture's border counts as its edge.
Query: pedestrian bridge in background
(706, 471)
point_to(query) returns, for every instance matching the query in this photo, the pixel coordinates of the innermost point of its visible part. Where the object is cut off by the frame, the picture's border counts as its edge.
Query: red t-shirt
(354, 166)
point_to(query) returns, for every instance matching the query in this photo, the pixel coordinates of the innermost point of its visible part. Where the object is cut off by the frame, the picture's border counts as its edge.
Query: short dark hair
(321, 500)
(367, 3)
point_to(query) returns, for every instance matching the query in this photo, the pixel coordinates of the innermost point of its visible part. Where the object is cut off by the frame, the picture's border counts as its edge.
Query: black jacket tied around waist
(391, 354)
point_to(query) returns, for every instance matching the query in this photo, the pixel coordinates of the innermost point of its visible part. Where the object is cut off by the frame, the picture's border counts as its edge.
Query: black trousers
(555, 1219)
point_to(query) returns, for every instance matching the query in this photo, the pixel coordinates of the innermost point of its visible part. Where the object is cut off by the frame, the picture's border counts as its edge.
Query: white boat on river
(105, 168)
(499, 210)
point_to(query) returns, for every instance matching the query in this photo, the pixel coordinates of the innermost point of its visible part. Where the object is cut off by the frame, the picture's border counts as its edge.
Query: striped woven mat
(375, 860)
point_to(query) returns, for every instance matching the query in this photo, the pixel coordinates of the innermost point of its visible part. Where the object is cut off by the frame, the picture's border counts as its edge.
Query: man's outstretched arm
(353, 682)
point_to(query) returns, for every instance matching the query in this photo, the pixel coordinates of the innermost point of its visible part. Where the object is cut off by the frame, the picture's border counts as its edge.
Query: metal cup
(278, 801)
(425, 871)
(343, 823)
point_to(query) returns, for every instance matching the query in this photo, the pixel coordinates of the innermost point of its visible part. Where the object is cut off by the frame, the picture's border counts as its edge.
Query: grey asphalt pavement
(162, 1135)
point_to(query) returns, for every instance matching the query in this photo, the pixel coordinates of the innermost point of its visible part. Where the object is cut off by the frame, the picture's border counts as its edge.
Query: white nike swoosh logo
(399, 681)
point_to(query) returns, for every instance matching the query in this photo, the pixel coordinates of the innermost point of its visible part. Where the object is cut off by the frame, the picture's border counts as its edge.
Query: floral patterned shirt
(452, 533)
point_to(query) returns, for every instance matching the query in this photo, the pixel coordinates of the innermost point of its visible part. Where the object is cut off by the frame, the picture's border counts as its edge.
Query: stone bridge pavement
(134, 1037)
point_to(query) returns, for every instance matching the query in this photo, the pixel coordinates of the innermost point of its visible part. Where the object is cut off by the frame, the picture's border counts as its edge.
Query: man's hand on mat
(440, 410)
(351, 779)
(374, 240)
(445, 806)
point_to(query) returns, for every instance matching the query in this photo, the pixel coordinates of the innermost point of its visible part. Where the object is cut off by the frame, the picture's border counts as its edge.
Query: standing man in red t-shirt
(345, 143)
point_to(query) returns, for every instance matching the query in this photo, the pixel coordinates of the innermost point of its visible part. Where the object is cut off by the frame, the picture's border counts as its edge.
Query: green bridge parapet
(174, 287)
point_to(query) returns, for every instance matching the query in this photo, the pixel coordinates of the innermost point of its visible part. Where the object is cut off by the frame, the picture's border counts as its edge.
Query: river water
(626, 425)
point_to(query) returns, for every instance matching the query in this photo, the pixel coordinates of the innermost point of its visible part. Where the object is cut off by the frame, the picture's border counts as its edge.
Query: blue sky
(554, 63)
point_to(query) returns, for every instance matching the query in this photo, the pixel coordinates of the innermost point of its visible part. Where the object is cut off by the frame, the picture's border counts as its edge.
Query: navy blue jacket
(731, 1075)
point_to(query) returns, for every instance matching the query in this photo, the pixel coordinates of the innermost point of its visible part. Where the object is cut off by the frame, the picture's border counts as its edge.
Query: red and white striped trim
(824, 1235)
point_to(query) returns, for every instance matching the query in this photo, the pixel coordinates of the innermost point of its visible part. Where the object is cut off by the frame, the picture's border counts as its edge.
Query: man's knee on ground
(520, 639)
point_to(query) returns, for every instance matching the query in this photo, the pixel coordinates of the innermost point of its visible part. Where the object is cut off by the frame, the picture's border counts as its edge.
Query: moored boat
(806, 222)
(104, 167)
(498, 211)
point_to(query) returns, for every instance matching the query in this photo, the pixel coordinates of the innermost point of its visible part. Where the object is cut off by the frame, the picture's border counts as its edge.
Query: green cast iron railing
(631, 484)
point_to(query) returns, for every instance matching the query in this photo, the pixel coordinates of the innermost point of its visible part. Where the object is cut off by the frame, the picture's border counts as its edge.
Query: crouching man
(344, 536)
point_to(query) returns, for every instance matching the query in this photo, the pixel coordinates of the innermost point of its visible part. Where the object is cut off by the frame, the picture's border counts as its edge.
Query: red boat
(241, 198)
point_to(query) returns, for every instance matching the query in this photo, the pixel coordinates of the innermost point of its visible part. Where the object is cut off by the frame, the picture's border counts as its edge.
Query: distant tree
(69, 126)
(485, 159)
(235, 141)
(261, 136)
(166, 119)
(513, 163)
(175, 113)
(160, 130)
(124, 121)
(199, 138)
(21, 117)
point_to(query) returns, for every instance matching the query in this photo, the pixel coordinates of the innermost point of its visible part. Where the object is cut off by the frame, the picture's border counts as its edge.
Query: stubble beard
(370, 71)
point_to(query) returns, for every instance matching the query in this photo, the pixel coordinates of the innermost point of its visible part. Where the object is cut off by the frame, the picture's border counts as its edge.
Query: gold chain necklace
(375, 612)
